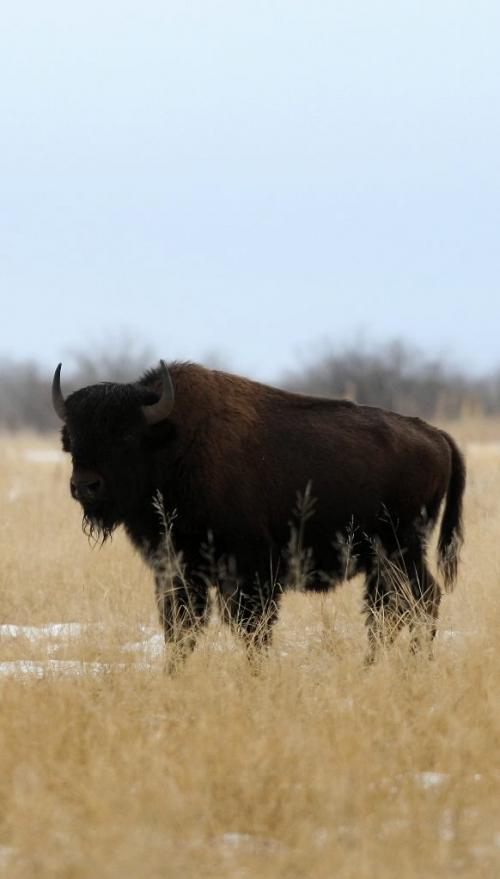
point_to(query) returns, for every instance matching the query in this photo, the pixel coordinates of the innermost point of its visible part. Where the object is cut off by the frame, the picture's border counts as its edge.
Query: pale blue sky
(255, 178)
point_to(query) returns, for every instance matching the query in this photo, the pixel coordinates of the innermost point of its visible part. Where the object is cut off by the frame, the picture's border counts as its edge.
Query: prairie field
(307, 764)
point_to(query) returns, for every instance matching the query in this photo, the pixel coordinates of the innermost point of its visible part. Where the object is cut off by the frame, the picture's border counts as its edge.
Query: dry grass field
(311, 766)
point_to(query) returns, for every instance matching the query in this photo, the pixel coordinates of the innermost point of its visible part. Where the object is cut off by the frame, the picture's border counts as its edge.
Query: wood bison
(231, 456)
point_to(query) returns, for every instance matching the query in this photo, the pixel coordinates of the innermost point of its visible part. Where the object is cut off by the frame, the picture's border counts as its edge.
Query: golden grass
(313, 767)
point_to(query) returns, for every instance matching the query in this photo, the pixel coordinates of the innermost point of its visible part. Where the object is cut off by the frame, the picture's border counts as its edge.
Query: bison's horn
(162, 409)
(57, 397)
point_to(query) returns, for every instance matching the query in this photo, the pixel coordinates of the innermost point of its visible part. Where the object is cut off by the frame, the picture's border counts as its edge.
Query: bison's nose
(89, 489)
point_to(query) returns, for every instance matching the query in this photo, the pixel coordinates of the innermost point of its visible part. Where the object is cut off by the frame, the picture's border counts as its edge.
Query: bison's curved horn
(57, 396)
(162, 409)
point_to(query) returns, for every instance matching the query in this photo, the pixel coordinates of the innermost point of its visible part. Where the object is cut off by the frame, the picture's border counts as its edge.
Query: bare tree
(395, 376)
(25, 388)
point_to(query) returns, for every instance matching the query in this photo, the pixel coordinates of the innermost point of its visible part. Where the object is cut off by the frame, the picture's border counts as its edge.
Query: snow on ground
(148, 647)
(52, 637)
(64, 631)
(66, 667)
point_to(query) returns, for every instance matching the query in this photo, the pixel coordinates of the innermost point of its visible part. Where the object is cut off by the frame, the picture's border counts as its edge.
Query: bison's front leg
(250, 608)
(181, 595)
(183, 611)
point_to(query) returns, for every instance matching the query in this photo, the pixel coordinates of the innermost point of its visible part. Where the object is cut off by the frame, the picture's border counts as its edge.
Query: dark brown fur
(232, 461)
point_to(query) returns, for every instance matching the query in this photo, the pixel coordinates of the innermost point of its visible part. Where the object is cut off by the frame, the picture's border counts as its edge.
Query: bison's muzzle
(87, 486)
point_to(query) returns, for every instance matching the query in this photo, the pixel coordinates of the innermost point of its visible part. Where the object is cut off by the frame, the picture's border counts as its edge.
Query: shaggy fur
(269, 487)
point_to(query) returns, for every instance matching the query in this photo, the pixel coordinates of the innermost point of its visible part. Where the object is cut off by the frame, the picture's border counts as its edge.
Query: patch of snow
(155, 645)
(427, 780)
(235, 841)
(39, 669)
(66, 631)
(446, 829)
(64, 667)
(14, 494)
(455, 634)
(7, 852)
(52, 636)
(147, 643)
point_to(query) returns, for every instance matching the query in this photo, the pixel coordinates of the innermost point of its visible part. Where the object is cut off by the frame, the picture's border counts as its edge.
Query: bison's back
(255, 450)
(355, 459)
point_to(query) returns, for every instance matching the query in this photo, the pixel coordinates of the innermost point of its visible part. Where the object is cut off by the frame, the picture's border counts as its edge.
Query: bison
(265, 487)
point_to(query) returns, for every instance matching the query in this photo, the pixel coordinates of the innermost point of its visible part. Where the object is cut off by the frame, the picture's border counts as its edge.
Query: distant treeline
(25, 388)
(394, 376)
(400, 377)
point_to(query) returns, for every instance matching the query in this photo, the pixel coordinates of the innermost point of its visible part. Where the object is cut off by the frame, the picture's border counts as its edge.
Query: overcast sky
(259, 179)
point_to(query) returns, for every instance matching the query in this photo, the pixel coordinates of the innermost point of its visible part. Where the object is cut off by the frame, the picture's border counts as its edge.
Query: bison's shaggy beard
(96, 529)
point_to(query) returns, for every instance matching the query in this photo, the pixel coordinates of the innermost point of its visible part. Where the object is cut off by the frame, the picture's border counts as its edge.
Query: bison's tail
(451, 534)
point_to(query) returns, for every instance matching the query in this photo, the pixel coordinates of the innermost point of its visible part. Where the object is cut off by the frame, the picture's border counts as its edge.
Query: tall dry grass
(311, 767)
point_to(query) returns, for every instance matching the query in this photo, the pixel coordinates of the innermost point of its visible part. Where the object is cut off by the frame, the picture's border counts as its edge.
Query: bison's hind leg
(427, 595)
(425, 590)
(400, 590)
(385, 612)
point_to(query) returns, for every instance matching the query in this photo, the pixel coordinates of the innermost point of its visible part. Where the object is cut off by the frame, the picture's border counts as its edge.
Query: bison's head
(109, 430)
